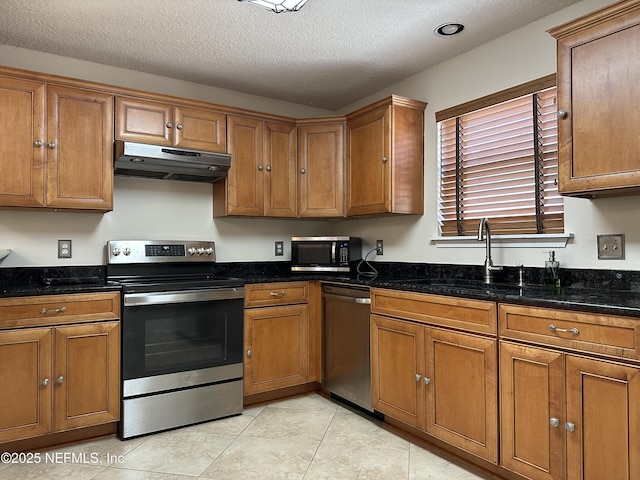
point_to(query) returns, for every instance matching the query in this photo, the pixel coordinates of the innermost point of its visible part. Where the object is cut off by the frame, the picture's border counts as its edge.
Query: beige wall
(157, 209)
(522, 55)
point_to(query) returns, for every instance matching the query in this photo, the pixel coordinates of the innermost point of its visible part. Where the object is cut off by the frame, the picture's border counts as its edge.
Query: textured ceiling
(329, 54)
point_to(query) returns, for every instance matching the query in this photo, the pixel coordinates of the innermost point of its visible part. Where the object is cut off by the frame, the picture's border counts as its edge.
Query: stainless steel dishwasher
(346, 356)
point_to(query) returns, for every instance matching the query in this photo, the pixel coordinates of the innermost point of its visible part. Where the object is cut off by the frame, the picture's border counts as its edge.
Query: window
(498, 158)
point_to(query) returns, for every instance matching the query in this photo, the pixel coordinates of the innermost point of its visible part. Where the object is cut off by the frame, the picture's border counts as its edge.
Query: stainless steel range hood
(169, 163)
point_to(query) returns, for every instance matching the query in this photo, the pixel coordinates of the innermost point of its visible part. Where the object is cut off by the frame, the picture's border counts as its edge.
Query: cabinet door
(462, 391)
(242, 192)
(86, 375)
(79, 149)
(321, 170)
(603, 406)
(144, 121)
(25, 376)
(368, 163)
(22, 143)
(397, 363)
(532, 410)
(280, 196)
(598, 77)
(200, 129)
(276, 347)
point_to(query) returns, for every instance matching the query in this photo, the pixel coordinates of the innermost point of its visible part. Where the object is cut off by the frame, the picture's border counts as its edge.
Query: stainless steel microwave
(324, 254)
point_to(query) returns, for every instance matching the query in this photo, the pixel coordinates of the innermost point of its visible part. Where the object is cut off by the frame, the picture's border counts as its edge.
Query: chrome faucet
(488, 262)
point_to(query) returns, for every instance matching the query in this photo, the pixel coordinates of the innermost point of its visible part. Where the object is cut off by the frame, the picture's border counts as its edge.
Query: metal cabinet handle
(260, 167)
(179, 126)
(570, 427)
(384, 159)
(302, 170)
(60, 380)
(51, 145)
(268, 168)
(169, 125)
(418, 377)
(278, 294)
(44, 311)
(38, 143)
(45, 382)
(554, 422)
(562, 113)
(249, 353)
(573, 330)
(427, 380)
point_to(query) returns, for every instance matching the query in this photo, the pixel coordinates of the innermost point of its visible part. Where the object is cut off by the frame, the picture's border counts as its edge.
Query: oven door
(181, 331)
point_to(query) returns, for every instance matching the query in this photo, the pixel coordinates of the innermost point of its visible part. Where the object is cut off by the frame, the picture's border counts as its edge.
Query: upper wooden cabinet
(385, 158)
(321, 167)
(598, 78)
(22, 139)
(262, 177)
(57, 146)
(146, 121)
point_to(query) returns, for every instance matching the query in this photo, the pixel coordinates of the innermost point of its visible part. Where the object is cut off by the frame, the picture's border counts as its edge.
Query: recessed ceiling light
(448, 29)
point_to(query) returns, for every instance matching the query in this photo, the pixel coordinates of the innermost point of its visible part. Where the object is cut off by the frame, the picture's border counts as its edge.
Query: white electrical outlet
(64, 248)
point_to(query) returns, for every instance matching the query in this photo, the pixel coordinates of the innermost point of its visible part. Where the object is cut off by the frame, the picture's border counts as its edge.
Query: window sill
(550, 240)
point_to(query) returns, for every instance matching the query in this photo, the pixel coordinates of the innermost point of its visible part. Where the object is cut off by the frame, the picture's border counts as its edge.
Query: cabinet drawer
(604, 334)
(285, 293)
(59, 309)
(475, 315)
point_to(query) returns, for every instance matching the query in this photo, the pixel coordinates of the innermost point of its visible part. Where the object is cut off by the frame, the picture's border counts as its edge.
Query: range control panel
(159, 251)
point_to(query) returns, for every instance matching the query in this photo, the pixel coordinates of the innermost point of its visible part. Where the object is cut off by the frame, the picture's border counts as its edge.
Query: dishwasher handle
(360, 300)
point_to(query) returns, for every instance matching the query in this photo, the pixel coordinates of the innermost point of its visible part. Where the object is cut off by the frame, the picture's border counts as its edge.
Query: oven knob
(200, 251)
(127, 251)
(191, 251)
(115, 252)
(209, 251)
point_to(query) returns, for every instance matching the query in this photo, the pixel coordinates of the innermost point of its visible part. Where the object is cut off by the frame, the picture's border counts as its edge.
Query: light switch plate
(611, 247)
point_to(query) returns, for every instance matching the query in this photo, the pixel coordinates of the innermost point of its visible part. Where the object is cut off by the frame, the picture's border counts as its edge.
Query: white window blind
(501, 162)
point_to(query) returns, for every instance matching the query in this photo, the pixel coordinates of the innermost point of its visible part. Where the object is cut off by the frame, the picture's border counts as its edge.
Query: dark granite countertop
(29, 281)
(597, 291)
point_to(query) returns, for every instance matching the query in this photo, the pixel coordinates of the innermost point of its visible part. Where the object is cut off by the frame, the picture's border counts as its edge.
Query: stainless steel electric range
(182, 335)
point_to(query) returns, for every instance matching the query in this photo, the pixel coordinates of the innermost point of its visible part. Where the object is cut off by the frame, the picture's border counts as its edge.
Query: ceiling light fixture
(278, 6)
(448, 29)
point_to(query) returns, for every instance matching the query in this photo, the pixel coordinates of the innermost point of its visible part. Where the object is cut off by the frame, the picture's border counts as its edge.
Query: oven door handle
(182, 296)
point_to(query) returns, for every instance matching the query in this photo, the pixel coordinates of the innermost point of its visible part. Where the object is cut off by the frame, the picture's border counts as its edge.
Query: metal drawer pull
(418, 377)
(554, 422)
(249, 353)
(60, 379)
(573, 330)
(278, 294)
(427, 381)
(45, 382)
(570, 427)
(44, 311)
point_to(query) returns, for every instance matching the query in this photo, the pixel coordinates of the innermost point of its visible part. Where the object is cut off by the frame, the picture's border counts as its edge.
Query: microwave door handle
(333, 252)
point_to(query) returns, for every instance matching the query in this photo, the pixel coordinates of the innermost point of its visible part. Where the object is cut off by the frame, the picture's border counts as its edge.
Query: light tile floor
(306, 437)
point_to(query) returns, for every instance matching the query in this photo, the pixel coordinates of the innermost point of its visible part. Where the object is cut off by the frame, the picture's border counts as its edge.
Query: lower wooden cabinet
(277, 348)
(58, 378)
(566, 416)
(281, 335)
(441, 381)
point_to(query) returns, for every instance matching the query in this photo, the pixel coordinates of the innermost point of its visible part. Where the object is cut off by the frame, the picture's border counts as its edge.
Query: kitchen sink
(465, 284)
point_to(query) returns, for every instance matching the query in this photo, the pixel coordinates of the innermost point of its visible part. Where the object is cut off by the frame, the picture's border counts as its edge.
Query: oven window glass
(170, 338)
(313, 253)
